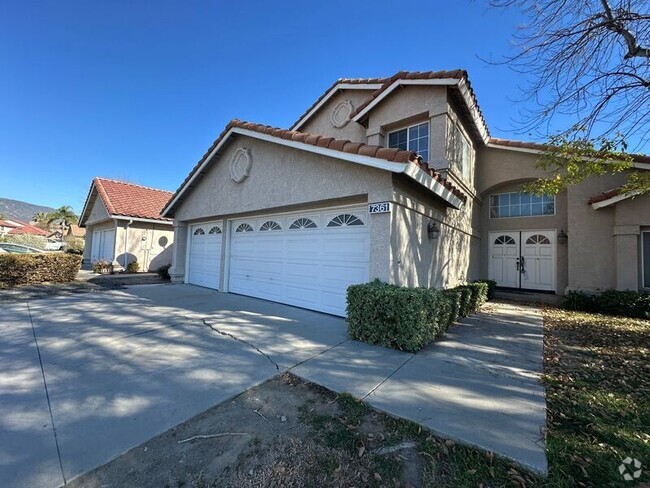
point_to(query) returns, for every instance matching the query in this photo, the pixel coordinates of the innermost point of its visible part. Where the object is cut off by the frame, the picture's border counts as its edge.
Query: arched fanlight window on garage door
(270, 225)
(215, 230)
(345, 220)
(303, 223)
(244, 228)
(199, 232)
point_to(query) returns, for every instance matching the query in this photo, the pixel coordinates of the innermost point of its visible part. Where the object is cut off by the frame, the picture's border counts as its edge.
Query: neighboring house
(13, 226)
(295, 216)
(123, 225)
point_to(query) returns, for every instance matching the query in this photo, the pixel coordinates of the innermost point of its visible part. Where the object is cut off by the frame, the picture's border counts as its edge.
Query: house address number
(380, 207)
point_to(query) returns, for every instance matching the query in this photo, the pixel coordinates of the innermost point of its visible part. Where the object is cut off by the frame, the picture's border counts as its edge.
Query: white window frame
(408, 138)
(464, 166)
(489, 206)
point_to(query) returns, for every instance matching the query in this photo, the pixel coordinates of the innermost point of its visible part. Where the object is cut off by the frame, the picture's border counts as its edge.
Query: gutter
(126, 243)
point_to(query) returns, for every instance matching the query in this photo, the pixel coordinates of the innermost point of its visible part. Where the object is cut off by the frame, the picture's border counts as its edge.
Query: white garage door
(205, 254)
(307, 259)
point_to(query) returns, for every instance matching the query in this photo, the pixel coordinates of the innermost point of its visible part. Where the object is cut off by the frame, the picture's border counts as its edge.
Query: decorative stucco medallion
(340, 115)
(240, 165)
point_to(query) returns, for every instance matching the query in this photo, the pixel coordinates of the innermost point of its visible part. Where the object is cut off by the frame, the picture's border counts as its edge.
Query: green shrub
(625, 303)
(31, 240)
(479, 292)
(18, 269)
(492, 287)
(453, 298)
(577, 300)
(465, 307)
(393, 316)
(133, 267)
(163, 271)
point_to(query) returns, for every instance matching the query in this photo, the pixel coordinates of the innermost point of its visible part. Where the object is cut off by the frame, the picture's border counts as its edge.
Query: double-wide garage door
(305, 259)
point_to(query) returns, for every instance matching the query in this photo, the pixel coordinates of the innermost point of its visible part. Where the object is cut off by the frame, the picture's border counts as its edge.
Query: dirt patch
(285, 432)
(290, 433)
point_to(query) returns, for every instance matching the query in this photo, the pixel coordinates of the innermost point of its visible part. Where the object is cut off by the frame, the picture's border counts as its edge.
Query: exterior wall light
(433, 231)
(562, 237)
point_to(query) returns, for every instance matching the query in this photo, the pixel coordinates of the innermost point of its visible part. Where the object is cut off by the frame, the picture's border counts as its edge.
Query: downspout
(126, 244)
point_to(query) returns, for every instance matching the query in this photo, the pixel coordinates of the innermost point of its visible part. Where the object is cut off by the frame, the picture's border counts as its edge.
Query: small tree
(64, 216)
(31, 240)
(569, 161)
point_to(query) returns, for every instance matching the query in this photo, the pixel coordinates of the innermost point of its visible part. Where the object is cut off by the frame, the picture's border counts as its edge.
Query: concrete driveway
(83, 379)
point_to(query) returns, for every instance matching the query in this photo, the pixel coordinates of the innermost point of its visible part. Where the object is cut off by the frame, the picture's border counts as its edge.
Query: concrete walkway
(83, 379)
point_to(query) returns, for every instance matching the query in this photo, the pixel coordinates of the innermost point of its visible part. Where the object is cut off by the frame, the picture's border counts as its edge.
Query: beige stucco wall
(320, 122)
(283, 179)
(417, 260)
(97, 212)
(150, 244)
(605, 244)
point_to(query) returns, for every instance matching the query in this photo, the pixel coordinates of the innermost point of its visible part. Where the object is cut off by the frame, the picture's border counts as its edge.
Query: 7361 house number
(380, 207)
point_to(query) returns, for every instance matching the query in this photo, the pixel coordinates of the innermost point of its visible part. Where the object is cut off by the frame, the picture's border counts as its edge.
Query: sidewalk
(478, 385)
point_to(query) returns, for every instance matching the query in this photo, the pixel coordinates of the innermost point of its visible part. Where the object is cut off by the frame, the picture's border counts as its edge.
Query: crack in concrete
(226, 334)
(387, 378)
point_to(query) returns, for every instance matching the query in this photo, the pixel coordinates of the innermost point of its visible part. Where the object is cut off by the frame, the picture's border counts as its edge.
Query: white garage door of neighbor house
(103, 245)
(205, 254)
(304, 259)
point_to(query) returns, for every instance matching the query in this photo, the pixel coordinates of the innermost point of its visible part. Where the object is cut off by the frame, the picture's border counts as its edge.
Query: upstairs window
(414, 138)
(461, 152)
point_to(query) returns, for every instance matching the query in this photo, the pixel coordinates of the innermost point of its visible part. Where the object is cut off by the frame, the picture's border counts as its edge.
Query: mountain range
(21, 210)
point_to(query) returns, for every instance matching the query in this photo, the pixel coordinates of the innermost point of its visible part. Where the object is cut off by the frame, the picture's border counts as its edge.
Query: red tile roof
(131, 200)
(604, 196)
(341, 81)
(536, 146)
(29, 229)
(411, 75)
(388, 154)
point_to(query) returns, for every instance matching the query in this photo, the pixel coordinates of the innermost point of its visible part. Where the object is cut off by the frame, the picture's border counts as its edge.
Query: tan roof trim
(342, 84)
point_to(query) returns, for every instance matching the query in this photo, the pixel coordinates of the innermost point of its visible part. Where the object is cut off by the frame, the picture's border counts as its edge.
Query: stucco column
(177, 271)
(374, 137)
(626, 245)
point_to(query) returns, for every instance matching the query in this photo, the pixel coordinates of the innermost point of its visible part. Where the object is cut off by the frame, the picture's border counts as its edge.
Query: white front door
(537, 257)
(504, 258)
(204, 263)
(306, 259)
(523, 259)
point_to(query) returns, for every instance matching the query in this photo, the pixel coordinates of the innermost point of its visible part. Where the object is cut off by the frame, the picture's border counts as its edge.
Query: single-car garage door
(304, 259)
(205, 254)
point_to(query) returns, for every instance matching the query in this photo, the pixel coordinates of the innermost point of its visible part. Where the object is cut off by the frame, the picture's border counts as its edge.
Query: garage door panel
(309, 268)
(204, 266)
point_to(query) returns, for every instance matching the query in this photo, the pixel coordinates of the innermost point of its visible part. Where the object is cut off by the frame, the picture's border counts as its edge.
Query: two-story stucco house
(398, 179)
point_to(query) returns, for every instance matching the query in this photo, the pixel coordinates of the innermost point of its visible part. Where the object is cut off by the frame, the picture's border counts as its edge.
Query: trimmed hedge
(408, 318)
(627, 303)
(492, 287)
(19, 269)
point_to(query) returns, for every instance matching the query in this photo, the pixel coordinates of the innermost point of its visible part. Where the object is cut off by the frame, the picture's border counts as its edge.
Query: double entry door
(523, 259)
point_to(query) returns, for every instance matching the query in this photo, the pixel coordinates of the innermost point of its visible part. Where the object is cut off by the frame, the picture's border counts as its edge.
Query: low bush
(163, 271)
(392, 316)
(18, 269)
(624, 303)
(31, 240)
(492, 287)
(407, 318)
(103, 266)
(133, 267)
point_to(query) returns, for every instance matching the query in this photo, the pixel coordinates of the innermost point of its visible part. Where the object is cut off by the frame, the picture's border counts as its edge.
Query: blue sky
(139, 90)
